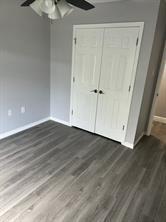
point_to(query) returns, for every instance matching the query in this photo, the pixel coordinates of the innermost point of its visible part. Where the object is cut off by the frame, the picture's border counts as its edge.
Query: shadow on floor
(159, 131)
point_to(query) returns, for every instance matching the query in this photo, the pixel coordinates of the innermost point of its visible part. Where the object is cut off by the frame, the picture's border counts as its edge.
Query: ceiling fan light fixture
(56, 9)
(55, 15)
(64, 8)
(48, 6)
(36, 7)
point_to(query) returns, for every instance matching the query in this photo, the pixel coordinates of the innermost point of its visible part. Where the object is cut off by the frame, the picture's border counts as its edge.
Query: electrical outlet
(23, 109)
(9, 112)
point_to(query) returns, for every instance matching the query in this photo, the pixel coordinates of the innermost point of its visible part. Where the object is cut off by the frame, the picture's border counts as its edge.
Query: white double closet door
(103, 73)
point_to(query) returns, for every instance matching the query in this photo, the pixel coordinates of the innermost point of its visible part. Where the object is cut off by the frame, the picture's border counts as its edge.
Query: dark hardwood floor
(57, 173)
(159, 131)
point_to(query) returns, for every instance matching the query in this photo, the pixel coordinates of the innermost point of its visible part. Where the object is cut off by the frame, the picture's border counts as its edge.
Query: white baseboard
(20, 129)
(132, 145)
(60, 121)
(129, 145)
(28, 126)
(160, 119)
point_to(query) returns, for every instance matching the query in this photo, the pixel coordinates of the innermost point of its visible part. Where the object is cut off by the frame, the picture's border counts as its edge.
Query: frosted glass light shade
(64, 8)
(54, 9)
(48, 6)
(36, 6)
(55, 15)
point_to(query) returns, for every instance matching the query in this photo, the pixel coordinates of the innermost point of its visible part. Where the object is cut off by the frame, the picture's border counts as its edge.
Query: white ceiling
(102, 1)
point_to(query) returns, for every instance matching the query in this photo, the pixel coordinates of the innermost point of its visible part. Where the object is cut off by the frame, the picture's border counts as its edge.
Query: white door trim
(152, 113)
(140, 25)
(109, 25)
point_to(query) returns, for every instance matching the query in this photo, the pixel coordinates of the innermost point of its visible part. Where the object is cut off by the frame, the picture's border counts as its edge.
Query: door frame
(156, 94)
(139, 25)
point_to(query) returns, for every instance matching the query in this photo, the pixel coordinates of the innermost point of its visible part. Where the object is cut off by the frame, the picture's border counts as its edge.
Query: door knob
(101, 92)
(95, 91)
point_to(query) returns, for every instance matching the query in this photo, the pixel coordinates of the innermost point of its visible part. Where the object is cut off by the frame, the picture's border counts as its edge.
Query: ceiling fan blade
(27, 3)
(81, 4)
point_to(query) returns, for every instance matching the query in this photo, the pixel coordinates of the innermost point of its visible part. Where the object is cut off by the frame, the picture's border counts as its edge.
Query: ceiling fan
(56, 9)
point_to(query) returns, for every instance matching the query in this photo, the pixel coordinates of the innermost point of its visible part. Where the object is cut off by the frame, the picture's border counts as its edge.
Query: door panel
(87, 63)
(116, 76)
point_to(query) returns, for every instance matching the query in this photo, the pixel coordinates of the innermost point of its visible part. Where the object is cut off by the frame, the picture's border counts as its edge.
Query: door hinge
(72, 112)
(74, 79)
(137, 41)
(123, 128)
(75, 40)
(129, 89)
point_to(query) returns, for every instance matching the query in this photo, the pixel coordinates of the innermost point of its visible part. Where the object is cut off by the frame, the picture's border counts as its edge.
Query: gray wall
(61, 52)
(24, 65)
(153, 70)
(161, 102)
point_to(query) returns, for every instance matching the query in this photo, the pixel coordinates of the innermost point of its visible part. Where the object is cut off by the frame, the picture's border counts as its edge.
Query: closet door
(87, 63)
(115, 82)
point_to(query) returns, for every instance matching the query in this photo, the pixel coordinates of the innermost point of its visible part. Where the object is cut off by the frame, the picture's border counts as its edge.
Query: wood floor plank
(55, 173)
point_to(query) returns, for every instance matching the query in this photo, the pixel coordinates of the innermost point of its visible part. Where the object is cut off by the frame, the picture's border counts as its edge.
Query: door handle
(101, 92)
(95, 91)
